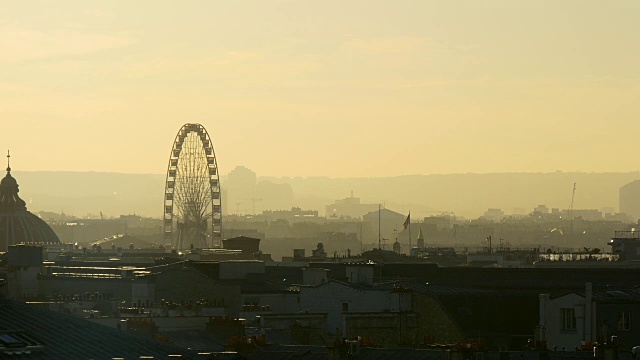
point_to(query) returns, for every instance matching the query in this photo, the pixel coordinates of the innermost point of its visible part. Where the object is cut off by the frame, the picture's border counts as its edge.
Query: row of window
(568, 319)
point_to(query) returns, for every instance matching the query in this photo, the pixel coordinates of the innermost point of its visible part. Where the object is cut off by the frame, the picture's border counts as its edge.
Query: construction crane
(573, 196)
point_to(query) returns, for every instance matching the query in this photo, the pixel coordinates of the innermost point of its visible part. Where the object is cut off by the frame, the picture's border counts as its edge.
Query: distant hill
(471, 194)
(82, 193)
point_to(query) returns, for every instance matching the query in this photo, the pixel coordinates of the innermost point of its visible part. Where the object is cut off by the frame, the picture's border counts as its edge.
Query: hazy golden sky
(333, 88)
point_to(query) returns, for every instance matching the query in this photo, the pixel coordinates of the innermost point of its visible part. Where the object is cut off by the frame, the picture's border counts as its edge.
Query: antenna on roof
(8, 158)
(573, 195)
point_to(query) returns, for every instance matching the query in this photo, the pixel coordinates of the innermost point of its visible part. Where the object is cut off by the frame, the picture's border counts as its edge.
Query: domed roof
(17, 225)
(24, 227)
(9, 199)
(9, 180)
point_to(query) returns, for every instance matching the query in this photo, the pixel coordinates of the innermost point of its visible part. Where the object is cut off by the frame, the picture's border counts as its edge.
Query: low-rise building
(626, 244)
(573, 319)
(339, 299)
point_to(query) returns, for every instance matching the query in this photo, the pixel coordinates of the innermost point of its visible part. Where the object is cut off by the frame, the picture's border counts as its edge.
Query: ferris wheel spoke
(192, 192)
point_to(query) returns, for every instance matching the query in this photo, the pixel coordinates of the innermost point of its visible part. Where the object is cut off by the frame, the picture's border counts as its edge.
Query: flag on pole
(406, 222)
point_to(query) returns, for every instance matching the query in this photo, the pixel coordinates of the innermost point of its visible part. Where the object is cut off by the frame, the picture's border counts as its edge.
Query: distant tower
(420, 239)
(396, 247)
(630, 199)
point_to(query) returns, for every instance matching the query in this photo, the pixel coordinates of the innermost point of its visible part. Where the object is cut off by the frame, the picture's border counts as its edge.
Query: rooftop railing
(627, 234)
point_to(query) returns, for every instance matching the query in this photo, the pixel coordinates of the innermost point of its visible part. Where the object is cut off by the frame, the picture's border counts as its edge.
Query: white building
(591, 316)
(339, 299)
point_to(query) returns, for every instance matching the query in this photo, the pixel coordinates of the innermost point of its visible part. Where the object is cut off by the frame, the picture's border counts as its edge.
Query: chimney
(544, 298)
(540, 334)
(588, 312)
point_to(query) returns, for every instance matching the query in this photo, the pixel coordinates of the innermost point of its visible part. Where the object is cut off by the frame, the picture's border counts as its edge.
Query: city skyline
(331, 179)
(294, 88)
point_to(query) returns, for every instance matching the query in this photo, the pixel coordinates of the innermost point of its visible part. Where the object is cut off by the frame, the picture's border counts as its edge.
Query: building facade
(579, 318)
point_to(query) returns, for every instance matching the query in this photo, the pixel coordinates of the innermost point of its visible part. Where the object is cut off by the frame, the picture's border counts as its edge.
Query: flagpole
(409, 232)
(379, 236)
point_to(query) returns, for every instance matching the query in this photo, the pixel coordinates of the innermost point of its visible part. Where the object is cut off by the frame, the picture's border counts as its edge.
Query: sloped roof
(283, 352)
(384, 213)
(198, 340)
(478, 310)
(492, 312)
(124, 241)
(260, 284)
(308, 352)
(440, 290)
(608, 296)
(405, 354)
(68, 337)
(241, 238)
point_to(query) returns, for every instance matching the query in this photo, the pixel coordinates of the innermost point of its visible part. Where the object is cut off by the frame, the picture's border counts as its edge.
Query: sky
(332, 88)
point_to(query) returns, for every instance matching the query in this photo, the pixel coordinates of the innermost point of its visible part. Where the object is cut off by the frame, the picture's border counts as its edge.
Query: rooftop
(59, 336)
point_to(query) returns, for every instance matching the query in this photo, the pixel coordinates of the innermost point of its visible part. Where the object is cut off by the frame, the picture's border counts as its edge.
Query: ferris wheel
(192, 199)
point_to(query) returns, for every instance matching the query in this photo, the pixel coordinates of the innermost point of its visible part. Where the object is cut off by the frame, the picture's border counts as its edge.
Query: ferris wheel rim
(213, 174)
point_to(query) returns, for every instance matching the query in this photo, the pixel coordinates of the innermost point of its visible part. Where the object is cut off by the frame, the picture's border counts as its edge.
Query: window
(567, 319)
(624, 320)
(345, 306)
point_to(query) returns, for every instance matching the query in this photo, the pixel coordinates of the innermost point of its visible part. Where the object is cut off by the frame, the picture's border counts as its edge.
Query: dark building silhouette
(349, 207)
(246, 244)
(420, 240)
(388, 221)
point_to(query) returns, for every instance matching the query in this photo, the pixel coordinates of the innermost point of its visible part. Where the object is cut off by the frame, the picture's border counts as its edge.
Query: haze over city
(336, 179)
(331, 88)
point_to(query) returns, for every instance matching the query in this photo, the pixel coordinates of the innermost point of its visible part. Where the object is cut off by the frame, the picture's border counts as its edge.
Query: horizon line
(341, 177)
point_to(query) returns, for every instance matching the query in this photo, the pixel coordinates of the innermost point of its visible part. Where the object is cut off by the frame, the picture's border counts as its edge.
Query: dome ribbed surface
(17, 225)
(25, 227)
